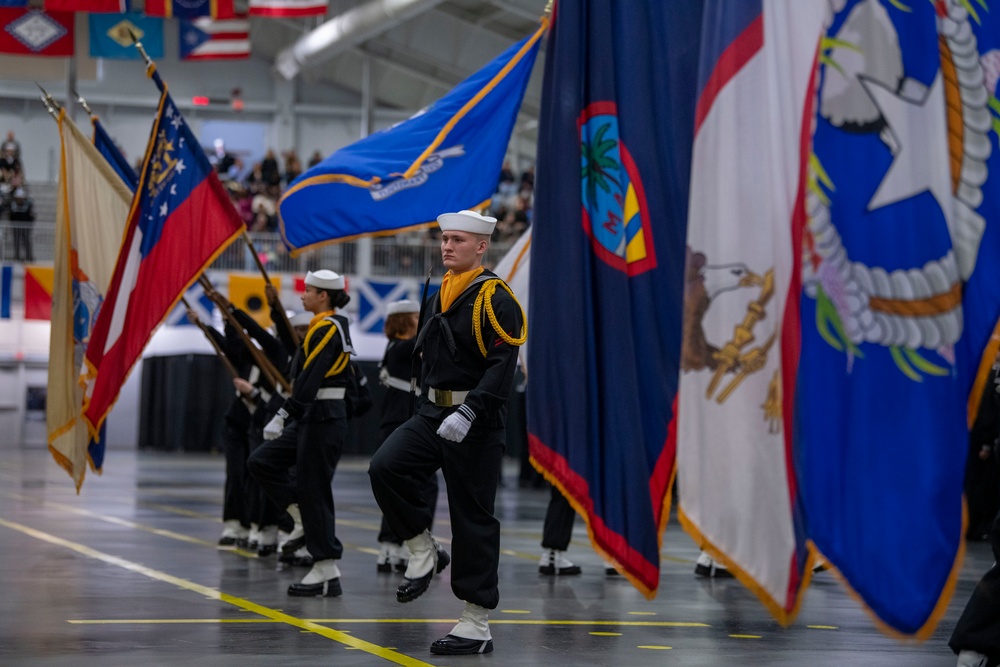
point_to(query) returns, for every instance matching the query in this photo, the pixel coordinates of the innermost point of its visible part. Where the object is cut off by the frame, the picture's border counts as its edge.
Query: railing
(408, 255)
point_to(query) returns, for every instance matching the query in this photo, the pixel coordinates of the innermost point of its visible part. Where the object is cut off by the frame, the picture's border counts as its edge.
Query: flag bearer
(308, 432)
(468, 347)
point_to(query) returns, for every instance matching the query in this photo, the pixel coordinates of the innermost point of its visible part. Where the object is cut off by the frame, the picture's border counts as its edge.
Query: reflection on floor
(128, 573)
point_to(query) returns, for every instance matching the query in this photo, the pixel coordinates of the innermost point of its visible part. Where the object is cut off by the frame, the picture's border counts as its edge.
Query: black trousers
(22, 244)
(558, 528)
(429, 493)
(978, 629)
(401, 467)
(261, 509)
(234, 500)
(314, 449)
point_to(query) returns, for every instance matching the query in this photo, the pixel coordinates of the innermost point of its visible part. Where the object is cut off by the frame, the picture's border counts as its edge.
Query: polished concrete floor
(127, 573)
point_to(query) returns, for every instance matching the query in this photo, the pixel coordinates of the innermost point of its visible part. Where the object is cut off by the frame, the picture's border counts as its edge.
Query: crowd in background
(15, 204)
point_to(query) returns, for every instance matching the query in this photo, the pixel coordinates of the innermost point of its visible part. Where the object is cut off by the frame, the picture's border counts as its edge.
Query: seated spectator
(220, 159)
(528, 179)
(507, 186)
(316, 158)
(10, 165)
(22, 213)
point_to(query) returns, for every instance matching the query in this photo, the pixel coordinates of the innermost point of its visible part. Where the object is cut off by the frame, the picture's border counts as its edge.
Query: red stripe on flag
(166, 272)
(732, 60)
(37, 299)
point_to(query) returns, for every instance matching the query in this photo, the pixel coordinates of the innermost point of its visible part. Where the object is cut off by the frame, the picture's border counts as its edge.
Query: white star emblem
(920, 159)
(180, 166)
(173, 188)
(176, 122)
(169, 113)
(163, 210)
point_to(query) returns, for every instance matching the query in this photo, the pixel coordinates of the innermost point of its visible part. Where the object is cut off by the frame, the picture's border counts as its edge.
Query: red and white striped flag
(205, 39)
(288, 8)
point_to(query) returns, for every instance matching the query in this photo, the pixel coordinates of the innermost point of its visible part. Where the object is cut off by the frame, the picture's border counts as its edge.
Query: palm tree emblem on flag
(615, 214)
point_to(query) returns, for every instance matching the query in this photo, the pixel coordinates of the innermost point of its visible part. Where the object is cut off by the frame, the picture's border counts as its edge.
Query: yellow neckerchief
(341, 363)
(454, 284)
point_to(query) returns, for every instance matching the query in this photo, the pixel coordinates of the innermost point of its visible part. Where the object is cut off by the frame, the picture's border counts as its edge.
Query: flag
(202, 306)
(901, 290)
(737, 491)
(246, 292)
(191, 9)
(288, 8)
(92, 207)
(91, 6)
(514, 268)
(205, 39)
(107, 147)
(29, 32)
(13, 3)
(446, 158)
(111, 36)
(181, 219)
(6, 280)
(375, 295)
(617, 101)
(38, 292)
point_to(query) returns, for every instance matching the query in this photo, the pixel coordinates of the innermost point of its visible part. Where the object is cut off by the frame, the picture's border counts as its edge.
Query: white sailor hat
(301, 319)
(466, 221)
(399, 307)
(325, 279)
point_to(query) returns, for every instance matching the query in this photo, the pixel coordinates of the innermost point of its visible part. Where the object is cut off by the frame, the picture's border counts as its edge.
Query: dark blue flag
(608, 257)
(106, 146)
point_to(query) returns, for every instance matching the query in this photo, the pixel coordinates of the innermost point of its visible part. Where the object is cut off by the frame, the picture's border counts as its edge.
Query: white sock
(322, 570)
(474, 623)
(268, 536)
(423, 555)
(296, 514)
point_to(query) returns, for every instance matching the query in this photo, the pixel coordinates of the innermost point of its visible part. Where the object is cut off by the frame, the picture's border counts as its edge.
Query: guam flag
(181, 219)
(901, 292)
(446, 158)
(606, 299)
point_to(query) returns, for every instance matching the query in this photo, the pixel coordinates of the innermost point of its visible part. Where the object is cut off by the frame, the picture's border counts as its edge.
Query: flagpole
(265, 365)
(283, 320)
(50, 104)
(211, 339)
(83, 103)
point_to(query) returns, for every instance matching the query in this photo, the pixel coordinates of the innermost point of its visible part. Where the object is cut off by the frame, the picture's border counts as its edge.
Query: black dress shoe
(384, 567)
(411, 589)
(452, 645)
(291, 546)
(228, 542)
(267, 550)
(328, 589)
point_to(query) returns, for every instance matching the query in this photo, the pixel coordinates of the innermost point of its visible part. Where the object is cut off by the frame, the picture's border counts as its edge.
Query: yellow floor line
(416, 621)
(215, 594)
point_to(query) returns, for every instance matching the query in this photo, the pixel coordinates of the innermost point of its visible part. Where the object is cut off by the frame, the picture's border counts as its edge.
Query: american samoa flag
(181, 219)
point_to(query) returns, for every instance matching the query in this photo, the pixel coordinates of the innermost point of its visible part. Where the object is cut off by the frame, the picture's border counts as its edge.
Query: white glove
(456, 425)
(275, 426)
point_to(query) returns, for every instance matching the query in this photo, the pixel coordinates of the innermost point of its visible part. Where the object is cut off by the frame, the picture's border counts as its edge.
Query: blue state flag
(111, 35)
(606, 298)
(901, 293)
(107, 148)
(447, 158)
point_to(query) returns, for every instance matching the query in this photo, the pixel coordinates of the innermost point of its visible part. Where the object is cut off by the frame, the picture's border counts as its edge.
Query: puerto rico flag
(613, 170)
(288, 8)
(205, 39)
(181, 219)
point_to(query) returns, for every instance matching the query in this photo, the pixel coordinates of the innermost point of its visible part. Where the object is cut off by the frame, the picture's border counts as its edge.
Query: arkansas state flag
(90, 6)
(181, 219)
(29, 32)
(901, 290)
(737, 489)
(445, 158)
(606, 299)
